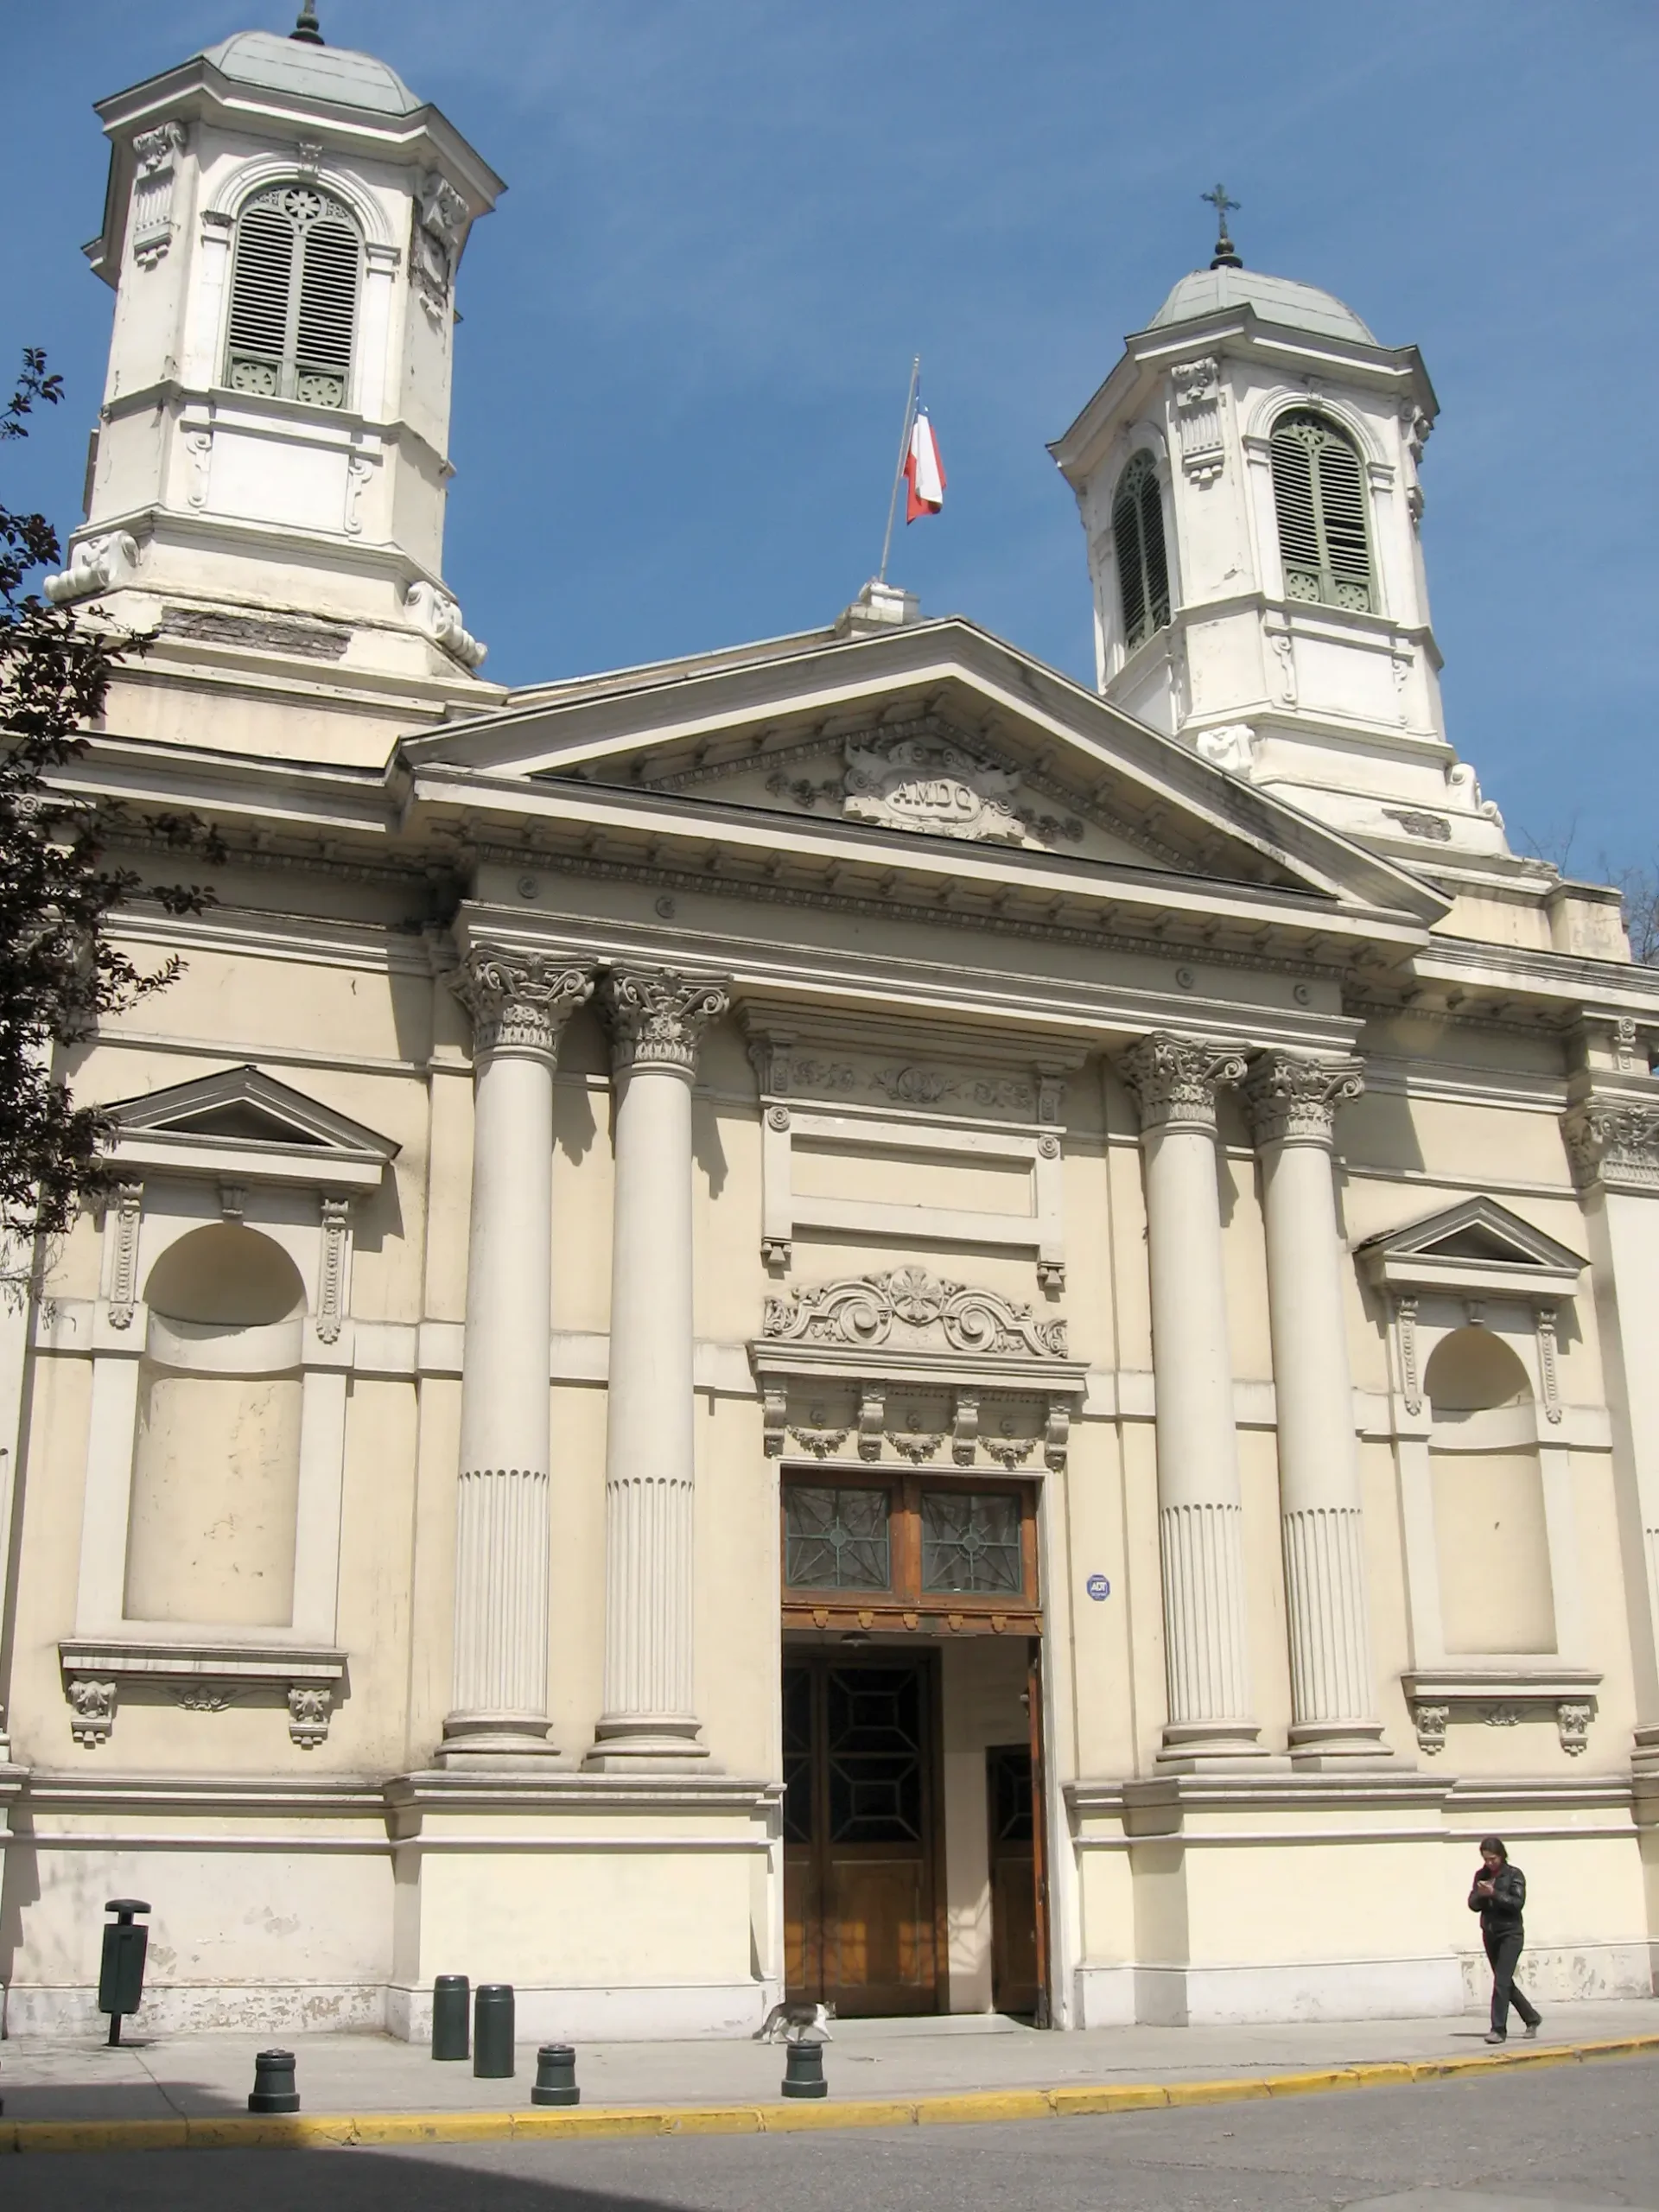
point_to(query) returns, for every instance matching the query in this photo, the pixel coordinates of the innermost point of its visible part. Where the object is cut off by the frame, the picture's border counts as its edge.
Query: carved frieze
(519, 1001)
(1614, 1143)
(909, 1307)
(929, 784)
(1174, 1080)
(657, 1018)
(123, 1230)
(1291, 1099)
(1197, 411)
(441, 227)
(158, 153)
(331, 1285)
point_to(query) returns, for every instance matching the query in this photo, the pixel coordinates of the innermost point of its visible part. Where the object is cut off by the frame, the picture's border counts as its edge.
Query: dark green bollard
(273, 2082)
(492, 2032)
(803, 2071)
(556, 2076)
(121, 1973)
(450, 1997)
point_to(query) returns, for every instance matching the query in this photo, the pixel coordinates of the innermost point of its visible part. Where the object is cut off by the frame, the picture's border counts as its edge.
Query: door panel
(1016, 1972)
(858, 1857)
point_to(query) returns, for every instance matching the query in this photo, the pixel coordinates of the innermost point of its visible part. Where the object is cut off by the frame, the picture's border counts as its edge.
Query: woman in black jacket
(1499, 1895)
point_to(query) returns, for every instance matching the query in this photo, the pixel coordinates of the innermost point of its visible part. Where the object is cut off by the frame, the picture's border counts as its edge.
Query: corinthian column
(1174, 1081)
(1293, 1103)
(657, 1020)
(520, 1003)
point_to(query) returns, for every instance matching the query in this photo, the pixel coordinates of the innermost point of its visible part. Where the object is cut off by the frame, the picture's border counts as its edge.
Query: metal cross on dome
(1226, 253)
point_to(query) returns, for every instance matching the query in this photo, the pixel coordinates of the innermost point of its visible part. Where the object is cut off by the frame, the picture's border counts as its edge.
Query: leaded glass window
(836, 1539)
(970, 1542)
(1319, 498)
(293, 297)
(1138, 544)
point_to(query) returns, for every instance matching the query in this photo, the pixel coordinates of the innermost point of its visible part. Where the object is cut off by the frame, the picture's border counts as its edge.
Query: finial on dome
(308, 30)
(1227, 255)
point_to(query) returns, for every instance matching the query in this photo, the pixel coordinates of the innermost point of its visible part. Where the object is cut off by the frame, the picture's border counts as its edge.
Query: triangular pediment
(242, 1121)
(1473, 1246)
(893, 751)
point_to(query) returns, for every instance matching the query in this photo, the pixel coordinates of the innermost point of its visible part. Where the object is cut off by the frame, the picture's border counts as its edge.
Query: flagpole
(897, 474)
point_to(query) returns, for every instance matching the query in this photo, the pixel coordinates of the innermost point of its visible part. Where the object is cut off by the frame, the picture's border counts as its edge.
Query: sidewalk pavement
(983, 2066)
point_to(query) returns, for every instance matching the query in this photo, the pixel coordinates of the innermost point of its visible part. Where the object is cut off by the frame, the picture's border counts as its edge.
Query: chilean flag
(923, 470)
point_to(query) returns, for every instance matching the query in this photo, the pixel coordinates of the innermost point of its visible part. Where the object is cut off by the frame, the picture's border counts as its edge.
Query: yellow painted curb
(302, 2131)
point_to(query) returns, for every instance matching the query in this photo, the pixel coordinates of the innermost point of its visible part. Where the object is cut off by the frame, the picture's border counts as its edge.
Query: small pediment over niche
(243, 1125)
(1473, 1246)
(922, 777)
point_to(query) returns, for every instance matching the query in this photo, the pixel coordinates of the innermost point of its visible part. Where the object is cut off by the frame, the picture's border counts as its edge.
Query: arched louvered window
(1319, 495)
(1138, 542)
(293, 297)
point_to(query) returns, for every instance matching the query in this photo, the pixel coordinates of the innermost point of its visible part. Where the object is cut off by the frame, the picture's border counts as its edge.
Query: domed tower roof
(335, 74)
(1275, 299)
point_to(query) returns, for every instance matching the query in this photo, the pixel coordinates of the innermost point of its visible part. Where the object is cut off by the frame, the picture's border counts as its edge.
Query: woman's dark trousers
(1504, 1949)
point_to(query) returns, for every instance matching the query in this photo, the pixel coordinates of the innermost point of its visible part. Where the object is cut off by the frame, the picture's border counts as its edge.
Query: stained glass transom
(970, 1542)
(836, 1539)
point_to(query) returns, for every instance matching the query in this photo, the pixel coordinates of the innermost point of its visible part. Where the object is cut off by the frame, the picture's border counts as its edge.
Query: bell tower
(283, 229)
(1248, 478)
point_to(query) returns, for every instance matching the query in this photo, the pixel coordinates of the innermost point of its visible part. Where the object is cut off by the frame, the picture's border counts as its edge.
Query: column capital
(1291, 1099)
(1174, 1080)
(1614, 1143)
(656, 1016)
(519, 1001)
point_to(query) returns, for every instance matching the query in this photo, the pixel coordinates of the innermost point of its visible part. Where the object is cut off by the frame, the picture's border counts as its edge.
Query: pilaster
(656, 1019)
(1291, 1101)
(1174, 1081)
(520, 1003)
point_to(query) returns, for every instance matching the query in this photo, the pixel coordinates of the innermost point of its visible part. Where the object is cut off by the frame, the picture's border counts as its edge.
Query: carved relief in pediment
(929, 784)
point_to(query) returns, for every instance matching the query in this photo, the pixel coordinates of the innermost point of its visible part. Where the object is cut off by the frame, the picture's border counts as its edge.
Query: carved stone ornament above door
(841, 1363)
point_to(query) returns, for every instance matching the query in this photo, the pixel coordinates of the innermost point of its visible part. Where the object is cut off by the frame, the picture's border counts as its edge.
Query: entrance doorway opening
(913, 1847)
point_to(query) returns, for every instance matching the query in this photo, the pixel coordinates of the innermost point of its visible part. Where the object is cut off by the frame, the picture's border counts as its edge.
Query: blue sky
(732, 222)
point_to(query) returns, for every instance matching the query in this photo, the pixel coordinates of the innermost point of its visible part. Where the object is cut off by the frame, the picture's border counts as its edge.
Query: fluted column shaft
(649, 1722)
(1291, 1101)
(520, 1005)
(1174, 1081)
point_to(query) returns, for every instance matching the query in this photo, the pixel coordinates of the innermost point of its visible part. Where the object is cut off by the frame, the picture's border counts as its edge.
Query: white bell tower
(284, 226)
(1248, 480)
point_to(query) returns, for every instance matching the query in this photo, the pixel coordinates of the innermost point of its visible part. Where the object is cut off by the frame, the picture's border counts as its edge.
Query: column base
(647, 1743)
(1644, 1753)
(1339, 1747)
(1213, 1747)
(495, 1740)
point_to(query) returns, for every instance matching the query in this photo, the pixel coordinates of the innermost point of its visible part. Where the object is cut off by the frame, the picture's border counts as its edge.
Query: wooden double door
(862, 1887)
(863, 1843)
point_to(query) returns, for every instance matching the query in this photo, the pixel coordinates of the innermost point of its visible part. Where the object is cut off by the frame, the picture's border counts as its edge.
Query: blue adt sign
(1098, 1588)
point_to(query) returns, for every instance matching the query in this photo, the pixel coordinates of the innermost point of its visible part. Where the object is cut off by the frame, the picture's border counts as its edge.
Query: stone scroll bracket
(198, 1678)
(1501, 1698)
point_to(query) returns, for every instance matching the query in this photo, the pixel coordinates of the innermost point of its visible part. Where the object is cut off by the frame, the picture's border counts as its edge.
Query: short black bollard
(803, 2071)
(492, 2032)
(450, 1997)
(556, 2076)
(121, 1974)
(273, 2082)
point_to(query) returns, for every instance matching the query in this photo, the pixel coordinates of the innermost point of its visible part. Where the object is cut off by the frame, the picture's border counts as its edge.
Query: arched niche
(216, 1460)
(1491, 1528)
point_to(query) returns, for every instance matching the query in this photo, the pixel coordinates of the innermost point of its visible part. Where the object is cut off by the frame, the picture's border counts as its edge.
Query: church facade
(839, 1318)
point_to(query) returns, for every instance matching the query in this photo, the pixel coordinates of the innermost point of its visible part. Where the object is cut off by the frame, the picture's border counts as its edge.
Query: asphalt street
(1568, 2136)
